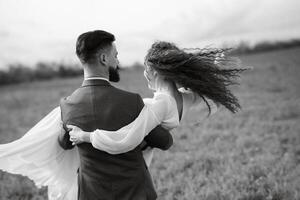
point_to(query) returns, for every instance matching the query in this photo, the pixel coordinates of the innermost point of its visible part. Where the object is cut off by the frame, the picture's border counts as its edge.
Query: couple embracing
(98, 144)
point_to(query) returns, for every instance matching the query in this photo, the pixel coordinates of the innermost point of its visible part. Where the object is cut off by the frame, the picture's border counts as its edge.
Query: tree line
(19, 73)
(245, 48)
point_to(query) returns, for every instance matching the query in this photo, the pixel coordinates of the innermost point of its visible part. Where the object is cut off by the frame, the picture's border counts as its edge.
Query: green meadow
(251, 155)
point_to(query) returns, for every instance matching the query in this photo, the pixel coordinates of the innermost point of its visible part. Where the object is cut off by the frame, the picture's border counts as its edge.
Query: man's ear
(103, 58)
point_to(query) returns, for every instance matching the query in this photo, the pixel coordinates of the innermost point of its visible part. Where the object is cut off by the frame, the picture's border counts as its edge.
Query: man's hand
(77, 135)
(144, 145)
(159, 138)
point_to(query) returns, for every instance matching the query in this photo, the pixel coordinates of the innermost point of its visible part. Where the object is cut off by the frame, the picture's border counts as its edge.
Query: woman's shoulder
(189, 97)
(192, 99)
(186, 92)
(169, 106)
(163, 97)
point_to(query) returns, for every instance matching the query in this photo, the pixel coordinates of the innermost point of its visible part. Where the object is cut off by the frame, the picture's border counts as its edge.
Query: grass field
(252, 155)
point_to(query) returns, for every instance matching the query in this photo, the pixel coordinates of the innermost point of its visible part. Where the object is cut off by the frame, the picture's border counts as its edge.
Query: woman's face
(150, 75)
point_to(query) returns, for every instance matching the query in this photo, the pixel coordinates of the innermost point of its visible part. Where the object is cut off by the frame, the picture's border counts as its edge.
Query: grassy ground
(252, 155)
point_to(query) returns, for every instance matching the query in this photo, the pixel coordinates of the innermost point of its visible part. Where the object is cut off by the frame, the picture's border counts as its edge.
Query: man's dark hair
(89, 43)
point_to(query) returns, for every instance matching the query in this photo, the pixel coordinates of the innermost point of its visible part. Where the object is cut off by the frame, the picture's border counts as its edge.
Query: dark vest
(102, 176)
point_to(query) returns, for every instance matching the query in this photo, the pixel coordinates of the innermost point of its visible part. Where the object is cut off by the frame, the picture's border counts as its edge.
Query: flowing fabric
(38, 156)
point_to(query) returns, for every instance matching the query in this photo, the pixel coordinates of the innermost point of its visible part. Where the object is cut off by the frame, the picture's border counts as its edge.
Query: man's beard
(114, 75)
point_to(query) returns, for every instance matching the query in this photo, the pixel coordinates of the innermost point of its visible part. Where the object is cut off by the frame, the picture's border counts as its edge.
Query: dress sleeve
(193, 100)
(130, 136)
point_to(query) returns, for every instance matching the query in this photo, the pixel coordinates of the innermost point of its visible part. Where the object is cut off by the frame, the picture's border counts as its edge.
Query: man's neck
(88, 73)
(91, 76)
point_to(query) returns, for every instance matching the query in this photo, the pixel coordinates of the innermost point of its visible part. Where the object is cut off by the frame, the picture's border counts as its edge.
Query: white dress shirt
(96, 78)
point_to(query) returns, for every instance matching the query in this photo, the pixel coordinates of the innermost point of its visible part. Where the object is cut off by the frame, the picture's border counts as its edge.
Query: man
(99, 105)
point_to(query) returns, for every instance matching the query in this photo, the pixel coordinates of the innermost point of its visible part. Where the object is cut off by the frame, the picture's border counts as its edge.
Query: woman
(202, 73)
(202, 78)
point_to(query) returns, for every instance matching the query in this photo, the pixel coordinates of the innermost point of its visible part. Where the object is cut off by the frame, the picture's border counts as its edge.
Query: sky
(40, 30)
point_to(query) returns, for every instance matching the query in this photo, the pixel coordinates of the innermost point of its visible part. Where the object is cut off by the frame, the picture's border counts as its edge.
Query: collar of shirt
(96, 78)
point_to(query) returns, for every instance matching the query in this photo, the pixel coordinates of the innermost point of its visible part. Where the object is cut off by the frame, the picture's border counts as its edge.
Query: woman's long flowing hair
(207, 72)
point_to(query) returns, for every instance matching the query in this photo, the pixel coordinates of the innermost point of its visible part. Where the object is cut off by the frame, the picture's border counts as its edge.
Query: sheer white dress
(38, 155)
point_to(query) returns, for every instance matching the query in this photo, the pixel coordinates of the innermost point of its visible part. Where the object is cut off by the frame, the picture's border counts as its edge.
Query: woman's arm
(159, 137)
(130, 136)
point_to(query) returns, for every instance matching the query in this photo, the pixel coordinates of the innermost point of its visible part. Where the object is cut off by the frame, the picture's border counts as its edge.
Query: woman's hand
(77, 135)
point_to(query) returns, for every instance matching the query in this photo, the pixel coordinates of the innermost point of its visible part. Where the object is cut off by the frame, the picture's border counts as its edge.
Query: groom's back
(98, 105)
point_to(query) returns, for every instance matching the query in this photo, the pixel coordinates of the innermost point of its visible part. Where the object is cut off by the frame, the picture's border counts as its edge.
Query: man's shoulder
(83, 94)
(125, 93)
(129, 98)
(73, 95)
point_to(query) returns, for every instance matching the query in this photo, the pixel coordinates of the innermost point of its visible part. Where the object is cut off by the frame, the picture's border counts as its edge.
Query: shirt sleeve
(130, 136)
